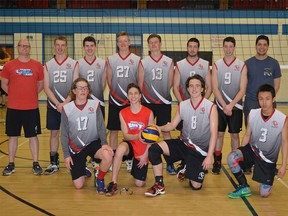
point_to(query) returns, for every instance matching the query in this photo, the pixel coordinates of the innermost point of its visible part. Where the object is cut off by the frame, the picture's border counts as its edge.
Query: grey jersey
(156, 88)
(80, 126)
(60, 77)
(124, 71)
(188, 69)
(196, 123)
(229, 80)
(93, 73)
(266, 134)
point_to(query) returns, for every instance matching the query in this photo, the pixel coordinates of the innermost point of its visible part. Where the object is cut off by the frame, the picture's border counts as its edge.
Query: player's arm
(207, 163)
(277, 84)
(40, 85)
(5, 84)
(243, 86)
(124, 130)
(171, 126)
(140, 75)
(108, 73)
(284, 150)
(215, 89)
(76, 71)
(247, 135)
(104, 78)
(171, 75)
(47, 89)
(208, 83)
(176, 84)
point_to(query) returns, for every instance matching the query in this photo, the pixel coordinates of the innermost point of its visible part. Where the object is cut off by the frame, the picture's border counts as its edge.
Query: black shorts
(28, 119)
(113, 117)
(162, 112)
(179, 151)
(263, 172)
(131, 152)
(234, 121)
(53, 119)
(79, 160)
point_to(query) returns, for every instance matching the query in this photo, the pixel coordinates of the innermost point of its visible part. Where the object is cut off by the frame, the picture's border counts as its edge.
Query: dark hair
(229, 39)
(193, 40)
(74, 85)
(198, 77)
(262, 37)
(89, 39)
(133, 85)
(266, 88)
(154, 36)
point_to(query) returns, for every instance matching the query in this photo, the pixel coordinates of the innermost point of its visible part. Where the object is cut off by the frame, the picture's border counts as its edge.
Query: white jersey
(124, 72)
(229, 80)
(93, 73)
(196, 124)
(60, 77)
(266, 134)
(156, 88)
(188, 69)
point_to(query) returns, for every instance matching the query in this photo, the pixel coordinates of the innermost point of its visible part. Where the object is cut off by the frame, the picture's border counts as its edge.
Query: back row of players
(155, 76)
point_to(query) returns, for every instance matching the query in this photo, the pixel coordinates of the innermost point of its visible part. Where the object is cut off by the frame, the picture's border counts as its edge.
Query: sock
(101, 175)
(241, 178)
(217, 153)
(159, 180)
(35, 163)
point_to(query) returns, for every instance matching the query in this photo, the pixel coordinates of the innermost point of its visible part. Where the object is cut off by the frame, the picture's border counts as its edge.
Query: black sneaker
(8, 170)
(37, 170)
(216, 168)
(111, 189)
(52, 168)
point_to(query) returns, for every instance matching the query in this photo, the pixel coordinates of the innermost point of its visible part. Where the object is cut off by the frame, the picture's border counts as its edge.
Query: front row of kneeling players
(266, 133)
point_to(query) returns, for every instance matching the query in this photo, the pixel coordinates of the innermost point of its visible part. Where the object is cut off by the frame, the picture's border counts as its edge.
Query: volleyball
(150, 134)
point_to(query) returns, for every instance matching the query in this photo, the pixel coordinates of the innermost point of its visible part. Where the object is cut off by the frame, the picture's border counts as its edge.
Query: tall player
(265, 134)
(58, 77)
(229, 81)
(156, 73)
(92, 68)
(122, 68)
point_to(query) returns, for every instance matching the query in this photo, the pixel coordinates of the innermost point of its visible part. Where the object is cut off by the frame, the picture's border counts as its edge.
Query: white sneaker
(129, 165)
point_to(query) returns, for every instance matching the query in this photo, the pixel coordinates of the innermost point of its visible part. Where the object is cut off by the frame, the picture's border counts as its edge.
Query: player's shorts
(53, 119)
(162, 112)
(137, 173)
(79, 160)
(131, 152)
(179, 151)
(263, 172)
(234, 121)
(28, 119)
(113, 117)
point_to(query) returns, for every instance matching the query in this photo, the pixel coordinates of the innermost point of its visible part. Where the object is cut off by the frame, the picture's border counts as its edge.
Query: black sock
(159, 180)
(241, 178)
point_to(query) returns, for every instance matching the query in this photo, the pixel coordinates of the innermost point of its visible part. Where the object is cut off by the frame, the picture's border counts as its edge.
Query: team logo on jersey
(165, 63)
(201, 175)
(91, 110)
(131, 61)
(24, 72)
(134, 125)
(98, 66)
(274, 124)
(202, 110)
(236, 67)
(68, 66)
(200, 67)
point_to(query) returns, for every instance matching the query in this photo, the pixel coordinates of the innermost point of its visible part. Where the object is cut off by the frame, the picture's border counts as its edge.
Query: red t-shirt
(136, 122)
(23, 83)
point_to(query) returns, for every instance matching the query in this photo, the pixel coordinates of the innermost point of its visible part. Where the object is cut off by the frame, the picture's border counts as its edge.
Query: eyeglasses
(82, 88)
(24, 46)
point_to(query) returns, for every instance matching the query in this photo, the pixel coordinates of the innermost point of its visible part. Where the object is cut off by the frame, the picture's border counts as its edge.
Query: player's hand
(107, 148)
(68, 162)
(228, 110)
(142, 161)
(207, 163)
(281, 172)
(60, 107)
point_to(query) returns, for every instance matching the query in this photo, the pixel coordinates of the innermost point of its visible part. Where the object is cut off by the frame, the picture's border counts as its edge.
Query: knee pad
(233, 161)
(265, 190)
(154, 154)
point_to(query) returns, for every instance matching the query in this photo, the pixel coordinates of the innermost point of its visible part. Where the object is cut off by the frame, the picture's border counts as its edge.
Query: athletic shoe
(247, 171)
(171, 169)
(111, 189)
(129, 165)
(37, 170)
(241, 191)
(181, 173)
(155, 190)
(216, 168)
(88, 172)
(52, 168)
(8, 170)
(101, 186)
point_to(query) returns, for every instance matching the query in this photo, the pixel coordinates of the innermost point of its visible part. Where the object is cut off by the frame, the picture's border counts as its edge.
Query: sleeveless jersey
(156, 88)
(136, 122)
(60, 77)
(124, 71)
(93, 73)
(196, 124)
(188, 69)
(266, 134)
(229, 79)
(82, 124)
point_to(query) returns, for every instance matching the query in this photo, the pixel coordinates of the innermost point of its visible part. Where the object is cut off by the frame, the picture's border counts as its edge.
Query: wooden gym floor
(25, 194)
